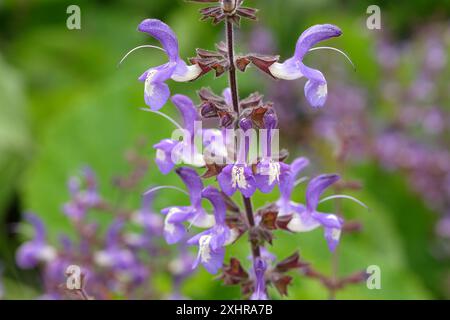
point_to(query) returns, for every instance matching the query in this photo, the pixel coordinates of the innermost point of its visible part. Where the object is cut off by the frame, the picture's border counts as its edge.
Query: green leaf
(14, 136)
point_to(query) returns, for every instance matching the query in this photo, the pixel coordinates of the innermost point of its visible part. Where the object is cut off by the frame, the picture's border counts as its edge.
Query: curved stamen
(176, 124)
(150, 191)
(337, 50)
(343, 196)
(137, 48)
(301, 180)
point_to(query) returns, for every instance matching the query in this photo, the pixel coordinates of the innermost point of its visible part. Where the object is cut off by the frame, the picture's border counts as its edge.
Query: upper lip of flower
(156, 91)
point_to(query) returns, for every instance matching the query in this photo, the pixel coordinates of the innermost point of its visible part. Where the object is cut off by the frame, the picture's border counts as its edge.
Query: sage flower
(174, 229)
(169, 152)
(156, 90)
(211, 242)
(309, 218)
(37, 250)
(316, 89)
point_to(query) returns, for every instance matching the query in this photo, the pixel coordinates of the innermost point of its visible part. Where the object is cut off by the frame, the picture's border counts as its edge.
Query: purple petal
(303, 222)
(259, 269)
(220, 208)
(193, 183)
(38, 225)
(249, 189)
(316, 89)
(175, 233)
(164, 34)
(224, 179)
(174, 230)
(27, 255)
(215, 262)
(268, 174)
(315, 189)
(74, 210)
(164, 156)
(313, 35)
(187, 110)
(194, 241)
(157, 96)
(113, 233)
(270, 120)
(328, 220)
(287, 180)
(220, 234)
(235, 177)
(332, 236)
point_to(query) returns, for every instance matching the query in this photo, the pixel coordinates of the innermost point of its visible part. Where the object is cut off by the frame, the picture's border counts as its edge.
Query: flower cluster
(233, 166)
(117, 263)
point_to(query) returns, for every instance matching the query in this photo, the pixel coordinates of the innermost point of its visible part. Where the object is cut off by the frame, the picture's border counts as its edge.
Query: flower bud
(226, 120)
(228, 6)
(270, 119)
(245, 124)
(208, 110)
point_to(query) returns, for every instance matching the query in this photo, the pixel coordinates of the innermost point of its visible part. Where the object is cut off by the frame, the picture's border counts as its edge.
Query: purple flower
(237, 177)
(259, 269)
(146, 217)
(174, 229)
(156, 91)
(211, 242)
(310, 219)
(84, 197)
(287, 184)
(31, 253)
(118, 257)
(293, 68)
(168, 151)
(268, 173)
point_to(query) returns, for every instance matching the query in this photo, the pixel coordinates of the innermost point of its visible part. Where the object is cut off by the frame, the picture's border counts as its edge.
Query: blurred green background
(65, 103)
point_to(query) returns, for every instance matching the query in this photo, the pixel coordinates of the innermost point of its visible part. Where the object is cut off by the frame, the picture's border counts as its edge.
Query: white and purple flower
(316, 89)
(237, 177)
(169, 152)
(287, 184)
(156, 91)
(37, 250)
(174, 229)
(308, 218)
(211, 242)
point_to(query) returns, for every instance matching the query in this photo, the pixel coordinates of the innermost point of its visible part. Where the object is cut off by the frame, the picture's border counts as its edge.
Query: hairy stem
(232, 71)
(256, 252)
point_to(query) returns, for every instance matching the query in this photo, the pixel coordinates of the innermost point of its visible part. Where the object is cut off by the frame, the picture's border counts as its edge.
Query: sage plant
(220, 165)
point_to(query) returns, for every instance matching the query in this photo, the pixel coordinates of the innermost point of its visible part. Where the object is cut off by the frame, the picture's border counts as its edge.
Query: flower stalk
(256, 252)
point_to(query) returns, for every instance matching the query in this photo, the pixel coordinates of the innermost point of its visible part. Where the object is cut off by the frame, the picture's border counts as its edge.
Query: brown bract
(226, 9)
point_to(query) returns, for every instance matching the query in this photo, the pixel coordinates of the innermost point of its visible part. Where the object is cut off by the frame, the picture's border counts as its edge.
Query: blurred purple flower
(33, 252)
(84, 195)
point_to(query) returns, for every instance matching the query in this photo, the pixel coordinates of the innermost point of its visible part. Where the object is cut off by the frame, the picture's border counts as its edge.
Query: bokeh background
(65, 103)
